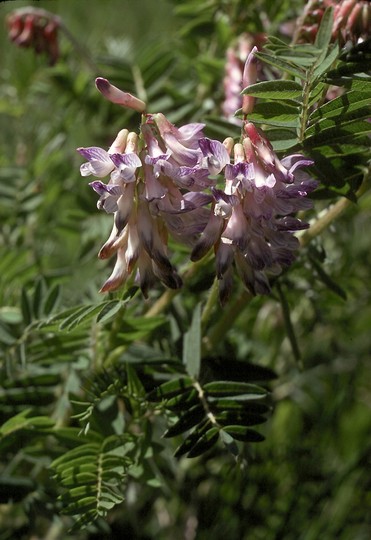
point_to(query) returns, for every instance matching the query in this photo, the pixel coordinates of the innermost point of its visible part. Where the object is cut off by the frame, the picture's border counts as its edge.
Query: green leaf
(243, 433)
(109, 311)
(192, 344)
(231, 388)
(238, 417)
(10, 315)
(183, 401)
(274, 90)
(275, 114)
(52, 299)
(189, 419)
(205, 442)
(324, 32)
(339, 121)
(341, 106)
(282, 139)
(81, 315)
(38, 298)
(339, 133)
(285, 66)
(170, 389)
(5, 336)
(26, 307)
(192, 438)
(33, 426)
(326, 62)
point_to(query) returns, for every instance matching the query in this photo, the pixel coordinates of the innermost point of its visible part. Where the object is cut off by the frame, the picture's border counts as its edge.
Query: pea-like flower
(164, 182)
(251, 222)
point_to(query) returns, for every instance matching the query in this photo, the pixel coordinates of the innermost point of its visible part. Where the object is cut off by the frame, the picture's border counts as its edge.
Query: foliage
(140, 417)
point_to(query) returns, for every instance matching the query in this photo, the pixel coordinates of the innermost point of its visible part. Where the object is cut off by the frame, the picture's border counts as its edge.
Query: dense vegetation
(170, 416)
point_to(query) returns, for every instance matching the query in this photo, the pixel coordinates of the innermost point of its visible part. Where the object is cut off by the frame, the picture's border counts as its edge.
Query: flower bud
(115, 95)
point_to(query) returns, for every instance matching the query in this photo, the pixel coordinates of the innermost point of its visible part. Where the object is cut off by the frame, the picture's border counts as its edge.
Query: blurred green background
(311, 478)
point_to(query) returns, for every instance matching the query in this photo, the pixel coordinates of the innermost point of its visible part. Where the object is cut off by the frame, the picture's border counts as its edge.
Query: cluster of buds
(352, 19)
(166, 181)
(35, 28)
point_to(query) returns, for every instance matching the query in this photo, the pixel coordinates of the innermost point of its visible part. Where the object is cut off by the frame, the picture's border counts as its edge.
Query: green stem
(226, 321)
(210, 304)
(332, 213)
(78, 47)
(305, 109)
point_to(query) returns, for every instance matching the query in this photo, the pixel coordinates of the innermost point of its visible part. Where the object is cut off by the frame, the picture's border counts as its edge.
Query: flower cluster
(251, 222)
(352, 19)
(236, 198)
(35, 28)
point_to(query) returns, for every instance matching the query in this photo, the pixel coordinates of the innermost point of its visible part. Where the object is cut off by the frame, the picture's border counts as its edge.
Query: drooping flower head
(35, 28)
(165, 182)
(155, 189)
(252, 222)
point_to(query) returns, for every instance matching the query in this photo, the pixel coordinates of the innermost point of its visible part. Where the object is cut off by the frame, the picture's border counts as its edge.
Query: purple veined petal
(237, 229)
(289, 223)
(240, 171)
(174, 141)
(197, 198)
(261, 283)
(153, 188)
(225, 286)
(194, 177)
(189, 225)
(216, 154)
(291, 163)
(258, 254)
(119, 273)
(106, 189)
(160, 165)
(278, 238)
(133, 247)
(175, 206)
(153, 148)
(109, 195)
(109, 204)
(191, 132)
(99, 162)
(209, 237)
(129, 160)
(245, 271)
(153, 160)
(284, 256)
(126, 166)
(220, 196)
(180, 153)
(224, 257)
(170, 278)
(108, 249)
(124, 207)
(150, 237)
(145, 275)
(264, 180)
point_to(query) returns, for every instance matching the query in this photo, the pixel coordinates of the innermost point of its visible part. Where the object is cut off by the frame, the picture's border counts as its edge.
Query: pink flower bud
(115, 95)
(249, 77)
